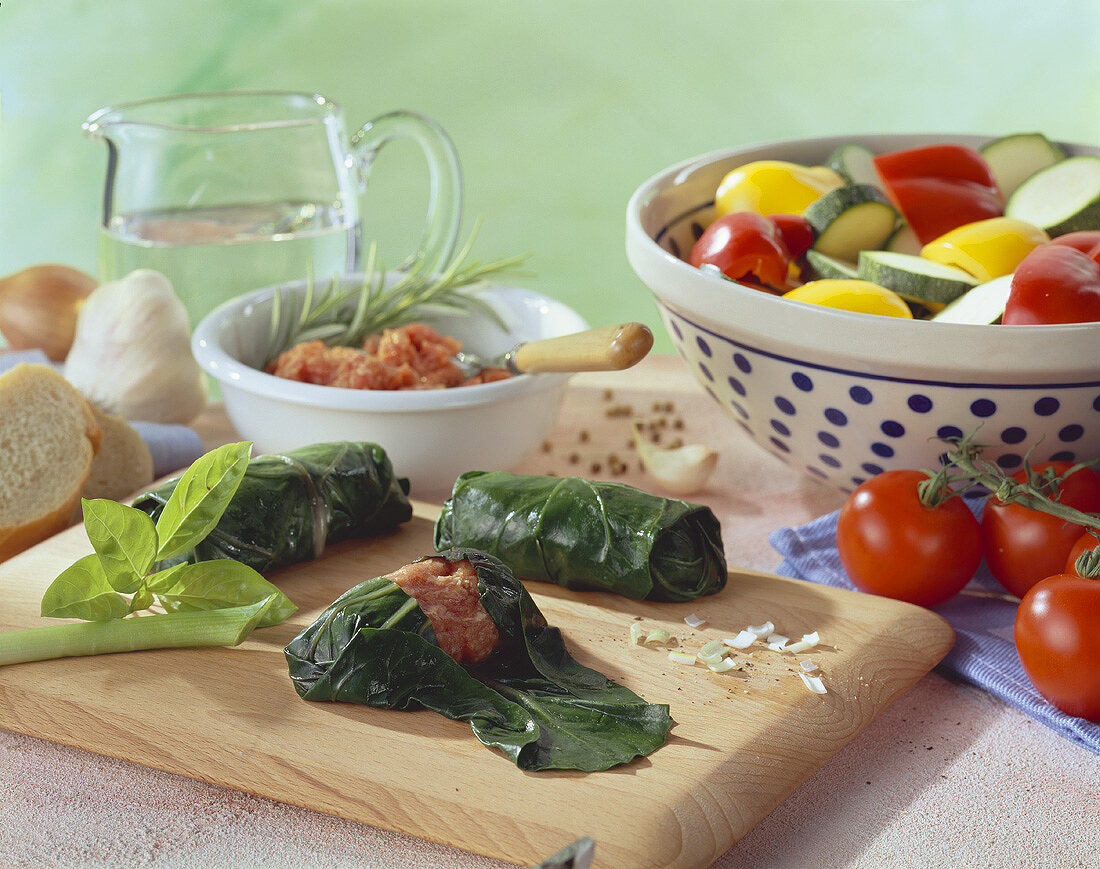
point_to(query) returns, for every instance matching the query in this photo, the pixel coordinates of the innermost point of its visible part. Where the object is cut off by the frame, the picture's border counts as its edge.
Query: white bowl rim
(216, 362)
(643, 244)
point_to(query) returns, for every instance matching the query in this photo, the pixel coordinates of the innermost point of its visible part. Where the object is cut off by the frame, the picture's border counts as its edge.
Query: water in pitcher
(212, 255)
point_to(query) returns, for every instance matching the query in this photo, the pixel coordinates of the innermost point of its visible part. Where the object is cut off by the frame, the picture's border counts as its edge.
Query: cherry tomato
(1056, 283)
(1086, 543)
(1023, 546)
(891, 544)
(742, 244)
(797, 233)
(1058, 641)
(939, 187)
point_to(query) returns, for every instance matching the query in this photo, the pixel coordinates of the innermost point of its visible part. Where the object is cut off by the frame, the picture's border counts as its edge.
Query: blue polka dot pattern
(983, 408)
(1071, 433)
(850, 425)
(860, 395)
(919, 403)
(1047, 406)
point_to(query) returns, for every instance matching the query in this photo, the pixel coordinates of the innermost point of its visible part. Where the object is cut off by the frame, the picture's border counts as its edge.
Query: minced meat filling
(447, 593)
(415, 356)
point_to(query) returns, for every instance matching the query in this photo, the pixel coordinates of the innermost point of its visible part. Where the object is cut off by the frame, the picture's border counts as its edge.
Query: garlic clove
(131, 355)
(681, 470)
(39, 307)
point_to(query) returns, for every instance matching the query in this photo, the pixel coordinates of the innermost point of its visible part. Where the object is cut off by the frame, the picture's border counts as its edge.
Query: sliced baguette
(123, 464)
(48, 438)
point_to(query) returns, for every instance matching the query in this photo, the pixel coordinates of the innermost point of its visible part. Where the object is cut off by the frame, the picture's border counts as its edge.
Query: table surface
(936, 780)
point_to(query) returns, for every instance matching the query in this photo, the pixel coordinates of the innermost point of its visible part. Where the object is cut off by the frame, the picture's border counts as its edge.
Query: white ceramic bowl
(843, 395)
(431, 436)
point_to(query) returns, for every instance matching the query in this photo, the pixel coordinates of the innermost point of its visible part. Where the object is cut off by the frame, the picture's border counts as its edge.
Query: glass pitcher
(228, 192)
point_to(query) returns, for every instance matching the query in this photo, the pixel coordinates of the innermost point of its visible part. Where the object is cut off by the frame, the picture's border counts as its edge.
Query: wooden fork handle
(609, 348)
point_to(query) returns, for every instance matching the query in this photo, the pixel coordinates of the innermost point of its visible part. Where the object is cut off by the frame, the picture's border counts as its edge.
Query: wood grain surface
(742, 741)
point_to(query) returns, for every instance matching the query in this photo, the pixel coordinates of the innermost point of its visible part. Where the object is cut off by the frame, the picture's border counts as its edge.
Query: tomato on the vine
(891, 544)
(1023, 546)
(1087, 542)
(1058, 641)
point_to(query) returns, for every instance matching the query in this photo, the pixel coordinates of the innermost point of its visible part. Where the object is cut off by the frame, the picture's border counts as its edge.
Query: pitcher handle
(444, 176)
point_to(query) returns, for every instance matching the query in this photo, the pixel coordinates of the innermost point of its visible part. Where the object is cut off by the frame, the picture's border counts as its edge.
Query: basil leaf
(125, 540)
(200, 498)
(219, 584)
(82, 591)
(142, 599)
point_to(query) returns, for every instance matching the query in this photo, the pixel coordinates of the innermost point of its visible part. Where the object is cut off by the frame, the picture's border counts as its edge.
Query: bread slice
(123, 464)
(48, 438)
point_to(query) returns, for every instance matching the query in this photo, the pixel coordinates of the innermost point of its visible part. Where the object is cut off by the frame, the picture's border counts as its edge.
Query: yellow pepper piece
(986, 249)
(848, 295)
(774, 187)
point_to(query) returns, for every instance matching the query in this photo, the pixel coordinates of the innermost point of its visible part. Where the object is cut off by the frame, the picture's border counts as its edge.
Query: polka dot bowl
(841, 395)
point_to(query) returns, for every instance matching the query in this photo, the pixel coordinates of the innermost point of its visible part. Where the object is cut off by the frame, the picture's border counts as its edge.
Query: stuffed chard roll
(289, 506)
(457, 633)
(582, 534)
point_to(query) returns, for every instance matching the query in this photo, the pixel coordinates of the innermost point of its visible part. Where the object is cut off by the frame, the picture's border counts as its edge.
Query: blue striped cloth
(984, 653)
(174, 447)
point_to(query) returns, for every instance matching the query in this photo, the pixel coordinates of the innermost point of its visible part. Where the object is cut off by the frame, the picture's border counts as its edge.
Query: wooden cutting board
(743, 740)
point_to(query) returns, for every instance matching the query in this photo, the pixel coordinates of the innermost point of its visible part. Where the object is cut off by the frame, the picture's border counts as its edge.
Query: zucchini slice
(850, 219)
(825, 266)
(855, 164)
(904, 240)
(981, 306)
(1013, 159)
(913, 277)
(1062, 198)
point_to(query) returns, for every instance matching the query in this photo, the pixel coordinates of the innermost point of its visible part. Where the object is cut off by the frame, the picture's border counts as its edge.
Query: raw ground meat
(447, 592)
(415, 356)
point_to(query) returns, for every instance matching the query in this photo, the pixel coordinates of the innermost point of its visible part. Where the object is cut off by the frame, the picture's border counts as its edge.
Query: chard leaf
(82, 591)
(530, 699)
(218, 584)
(199, 499)
(125, 540)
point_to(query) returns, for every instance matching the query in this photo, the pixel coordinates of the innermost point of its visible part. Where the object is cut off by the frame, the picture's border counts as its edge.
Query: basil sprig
(223, 598)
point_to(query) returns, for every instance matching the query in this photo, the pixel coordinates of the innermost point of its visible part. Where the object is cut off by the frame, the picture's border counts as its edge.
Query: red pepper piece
(744, 244)
(939, 187)
(797, 233)
(1087, 241)
(1055, 283)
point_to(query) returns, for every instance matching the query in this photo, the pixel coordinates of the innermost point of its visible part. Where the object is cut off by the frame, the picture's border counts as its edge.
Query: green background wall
(558, 109)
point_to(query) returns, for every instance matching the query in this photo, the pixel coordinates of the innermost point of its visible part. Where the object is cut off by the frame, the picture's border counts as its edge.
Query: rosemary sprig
(345, 314)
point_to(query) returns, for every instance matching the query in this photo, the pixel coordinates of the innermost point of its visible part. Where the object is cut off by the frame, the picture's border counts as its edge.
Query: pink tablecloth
(947, 776)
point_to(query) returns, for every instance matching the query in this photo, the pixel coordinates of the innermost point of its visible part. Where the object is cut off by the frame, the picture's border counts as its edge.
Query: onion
(813, 683)
(657, 635)
(39, 308)
(636, 632)
(762, 630)
(694, 621)
(681, 657)
(742, 641)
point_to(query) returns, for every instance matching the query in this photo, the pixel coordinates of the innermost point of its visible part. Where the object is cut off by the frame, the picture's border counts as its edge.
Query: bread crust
(34, 384)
